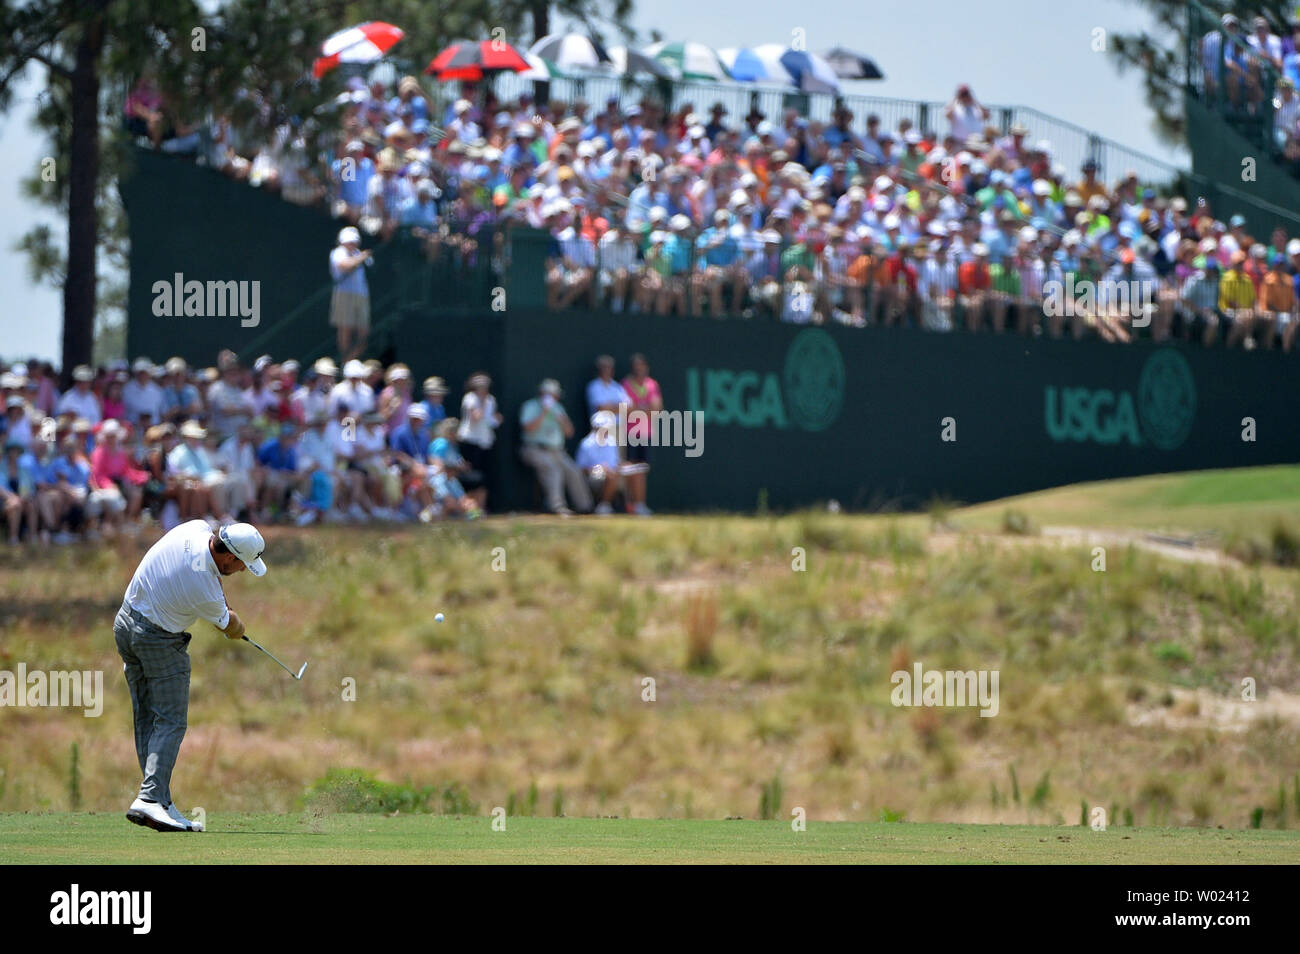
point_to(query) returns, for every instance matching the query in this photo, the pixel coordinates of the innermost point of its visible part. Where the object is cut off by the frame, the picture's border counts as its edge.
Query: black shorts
(637, 453)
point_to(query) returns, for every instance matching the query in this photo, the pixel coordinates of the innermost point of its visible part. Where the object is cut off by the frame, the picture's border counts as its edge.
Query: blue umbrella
(747, 66)
(811, 73)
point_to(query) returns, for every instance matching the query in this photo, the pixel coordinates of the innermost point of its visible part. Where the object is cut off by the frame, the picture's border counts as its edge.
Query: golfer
(177, 583)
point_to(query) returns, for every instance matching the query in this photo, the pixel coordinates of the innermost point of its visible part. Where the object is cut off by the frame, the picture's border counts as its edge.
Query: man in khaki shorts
(350, 304)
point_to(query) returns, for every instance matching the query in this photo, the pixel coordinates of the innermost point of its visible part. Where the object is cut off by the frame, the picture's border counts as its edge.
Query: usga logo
(1165, 407)
(809, 391)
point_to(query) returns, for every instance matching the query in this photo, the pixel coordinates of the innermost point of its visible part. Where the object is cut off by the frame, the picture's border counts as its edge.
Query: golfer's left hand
(235, 630)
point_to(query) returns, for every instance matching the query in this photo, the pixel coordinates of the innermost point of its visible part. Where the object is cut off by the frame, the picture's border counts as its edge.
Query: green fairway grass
(423, 839)
(710, 666)
(1222, 502)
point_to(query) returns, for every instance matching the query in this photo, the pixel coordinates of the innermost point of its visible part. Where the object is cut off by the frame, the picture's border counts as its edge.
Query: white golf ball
(438, 618)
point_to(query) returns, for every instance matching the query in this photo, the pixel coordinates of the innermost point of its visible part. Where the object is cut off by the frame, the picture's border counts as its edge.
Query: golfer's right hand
(235, 629)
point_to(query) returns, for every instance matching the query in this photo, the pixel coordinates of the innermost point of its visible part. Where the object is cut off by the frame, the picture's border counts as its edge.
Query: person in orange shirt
(1276, 313)
(973, 284)
(860, 273)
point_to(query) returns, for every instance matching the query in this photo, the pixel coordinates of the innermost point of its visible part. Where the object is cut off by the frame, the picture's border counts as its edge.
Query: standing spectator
(966, 116)
(603, 392)
(643, 395)
(479, 420)
(546, 427)
(350, 304)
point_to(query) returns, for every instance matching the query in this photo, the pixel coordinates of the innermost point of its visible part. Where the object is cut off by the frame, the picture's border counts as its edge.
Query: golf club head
(301, 671)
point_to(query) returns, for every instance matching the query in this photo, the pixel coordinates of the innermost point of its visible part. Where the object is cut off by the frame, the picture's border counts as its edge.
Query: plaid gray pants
(157, 668)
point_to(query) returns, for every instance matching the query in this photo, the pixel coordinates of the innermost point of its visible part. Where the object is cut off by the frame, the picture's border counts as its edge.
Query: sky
(1011, 52)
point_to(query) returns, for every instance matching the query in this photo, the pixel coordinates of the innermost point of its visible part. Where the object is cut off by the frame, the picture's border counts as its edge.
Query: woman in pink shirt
(112, 469)
(646, 398)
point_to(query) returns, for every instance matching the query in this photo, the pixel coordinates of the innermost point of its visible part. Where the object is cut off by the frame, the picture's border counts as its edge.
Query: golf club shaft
(272, 655)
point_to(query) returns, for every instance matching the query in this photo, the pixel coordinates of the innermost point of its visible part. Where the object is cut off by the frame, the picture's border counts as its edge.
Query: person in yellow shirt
(1276, 315)
(1237, 299)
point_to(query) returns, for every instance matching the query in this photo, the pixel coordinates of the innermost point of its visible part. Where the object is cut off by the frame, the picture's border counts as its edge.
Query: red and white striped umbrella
(365, 43)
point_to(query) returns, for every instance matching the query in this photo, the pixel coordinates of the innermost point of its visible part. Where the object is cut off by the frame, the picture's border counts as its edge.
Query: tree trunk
(79, 287)
(541, 14)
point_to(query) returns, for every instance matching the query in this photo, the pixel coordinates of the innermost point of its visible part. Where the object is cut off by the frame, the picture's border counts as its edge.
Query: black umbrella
(850, 65)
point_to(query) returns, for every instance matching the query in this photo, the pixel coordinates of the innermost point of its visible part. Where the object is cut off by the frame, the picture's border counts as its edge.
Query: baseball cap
(243, 540)
(349, 235)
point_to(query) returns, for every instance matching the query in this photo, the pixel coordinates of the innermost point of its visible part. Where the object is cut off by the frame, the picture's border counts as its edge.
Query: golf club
(297, 675)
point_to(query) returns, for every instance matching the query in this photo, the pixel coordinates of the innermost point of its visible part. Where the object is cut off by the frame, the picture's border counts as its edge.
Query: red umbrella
(365, 43)
(469, 61)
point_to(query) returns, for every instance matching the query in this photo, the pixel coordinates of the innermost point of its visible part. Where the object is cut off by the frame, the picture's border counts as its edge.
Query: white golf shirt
(177, 582)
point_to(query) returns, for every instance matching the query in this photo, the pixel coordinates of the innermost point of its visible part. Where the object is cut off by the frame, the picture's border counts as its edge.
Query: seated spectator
(1277, 305)
(281, 485)
(191, 462)
(237, 458)
(18, 492)
(546, 426)
(1200, 298)
(598, 458)
(445, 448)
(1237, 302)
(116, 478)
(79, 400)
(435, 390)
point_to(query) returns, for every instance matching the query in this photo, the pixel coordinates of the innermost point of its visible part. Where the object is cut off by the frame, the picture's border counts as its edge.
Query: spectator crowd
(697, 212)
(126, 446)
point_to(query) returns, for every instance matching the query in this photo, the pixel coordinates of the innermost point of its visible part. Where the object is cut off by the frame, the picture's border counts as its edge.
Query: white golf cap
(349, 236)
(418, 411)
(354, 369)
(243, 540)
(603, 419)
(142, 364)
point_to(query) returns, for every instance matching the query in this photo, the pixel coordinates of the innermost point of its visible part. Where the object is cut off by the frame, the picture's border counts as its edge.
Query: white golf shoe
(152, 815)
(176, 815)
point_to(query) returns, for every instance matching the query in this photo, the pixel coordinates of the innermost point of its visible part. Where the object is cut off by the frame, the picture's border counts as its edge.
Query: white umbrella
(539, 70)
(690, 60)
(570, 51)
(627, 61)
